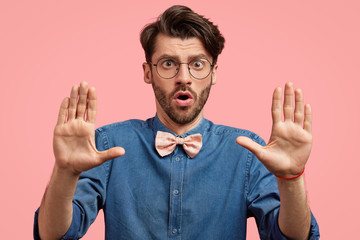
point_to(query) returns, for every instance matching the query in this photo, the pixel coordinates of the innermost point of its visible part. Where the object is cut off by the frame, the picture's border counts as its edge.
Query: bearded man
(182, 177)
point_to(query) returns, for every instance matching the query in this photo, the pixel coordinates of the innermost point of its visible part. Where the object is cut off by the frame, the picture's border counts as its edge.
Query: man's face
(182, 98)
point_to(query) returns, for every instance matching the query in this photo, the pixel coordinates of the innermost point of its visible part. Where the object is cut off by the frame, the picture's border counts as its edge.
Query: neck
(177, 128)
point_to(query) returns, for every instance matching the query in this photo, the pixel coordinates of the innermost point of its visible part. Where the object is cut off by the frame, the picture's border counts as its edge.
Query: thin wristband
(288, 178)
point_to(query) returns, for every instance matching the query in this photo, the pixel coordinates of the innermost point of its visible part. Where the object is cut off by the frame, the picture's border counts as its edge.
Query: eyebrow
(201, 55)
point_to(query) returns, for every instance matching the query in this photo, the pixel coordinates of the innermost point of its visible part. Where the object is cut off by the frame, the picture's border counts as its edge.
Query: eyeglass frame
(155, 65)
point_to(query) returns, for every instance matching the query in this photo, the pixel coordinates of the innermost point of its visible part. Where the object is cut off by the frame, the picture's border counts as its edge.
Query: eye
(167, 63)
(197, 64)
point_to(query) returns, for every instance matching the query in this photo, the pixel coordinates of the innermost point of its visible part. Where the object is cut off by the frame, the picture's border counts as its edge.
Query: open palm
(290, 142)
(74, 134)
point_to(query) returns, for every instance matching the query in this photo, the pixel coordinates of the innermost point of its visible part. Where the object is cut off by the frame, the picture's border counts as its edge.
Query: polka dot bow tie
(165, 143)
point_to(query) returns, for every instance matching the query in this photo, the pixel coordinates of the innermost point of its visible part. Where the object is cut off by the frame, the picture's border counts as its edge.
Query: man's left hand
(290, 142)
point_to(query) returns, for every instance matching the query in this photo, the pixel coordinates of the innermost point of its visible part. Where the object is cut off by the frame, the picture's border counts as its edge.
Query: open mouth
(183, 96)
(183, 99)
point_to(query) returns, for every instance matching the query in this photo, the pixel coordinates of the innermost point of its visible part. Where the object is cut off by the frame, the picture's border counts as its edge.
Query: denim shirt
(146, 196)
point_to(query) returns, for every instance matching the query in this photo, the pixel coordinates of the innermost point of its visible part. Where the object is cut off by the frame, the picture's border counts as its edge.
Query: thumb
(111, 153)
(252, 146)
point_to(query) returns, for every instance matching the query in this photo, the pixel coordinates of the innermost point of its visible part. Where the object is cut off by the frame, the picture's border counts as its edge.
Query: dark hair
(182, 22)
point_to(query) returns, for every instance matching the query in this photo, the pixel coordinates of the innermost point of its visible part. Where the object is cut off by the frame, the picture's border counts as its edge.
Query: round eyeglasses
(199, 68)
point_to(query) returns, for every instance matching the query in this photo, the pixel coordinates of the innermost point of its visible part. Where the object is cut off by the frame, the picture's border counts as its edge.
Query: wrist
(291, 177)
(65, 173)
(65, 168)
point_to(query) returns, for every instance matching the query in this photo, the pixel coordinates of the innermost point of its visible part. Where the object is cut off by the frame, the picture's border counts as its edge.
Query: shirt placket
(175, 211)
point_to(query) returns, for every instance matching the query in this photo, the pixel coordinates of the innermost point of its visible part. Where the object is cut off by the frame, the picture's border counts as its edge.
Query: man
(182, 177)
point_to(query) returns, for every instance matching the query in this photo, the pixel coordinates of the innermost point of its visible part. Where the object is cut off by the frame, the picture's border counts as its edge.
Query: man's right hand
(74, 134)
(75, 152)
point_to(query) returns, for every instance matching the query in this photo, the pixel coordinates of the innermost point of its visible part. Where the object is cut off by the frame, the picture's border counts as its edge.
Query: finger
(299, 107)
(288, 102)
(73, 102)
(81, 106)
(111, 154)
(63, 111)
(276, 105)
(308, 118)
(92, 105)
(252, 146)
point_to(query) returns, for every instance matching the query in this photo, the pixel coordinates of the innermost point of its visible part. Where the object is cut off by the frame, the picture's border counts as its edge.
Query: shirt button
(174, 231)
(176, 192)
(177, 159)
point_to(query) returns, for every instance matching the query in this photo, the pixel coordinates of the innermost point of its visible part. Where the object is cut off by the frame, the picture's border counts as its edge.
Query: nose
(183, 76)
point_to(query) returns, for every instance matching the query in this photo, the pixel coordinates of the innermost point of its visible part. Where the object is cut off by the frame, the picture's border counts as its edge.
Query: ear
(147, 72)
(213, 74)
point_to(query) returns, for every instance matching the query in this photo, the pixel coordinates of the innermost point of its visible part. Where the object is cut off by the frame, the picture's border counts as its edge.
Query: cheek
(166, 86)
(202, 86)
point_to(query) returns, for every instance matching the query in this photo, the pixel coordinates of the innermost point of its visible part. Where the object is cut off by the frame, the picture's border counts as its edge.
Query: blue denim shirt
(145, 196)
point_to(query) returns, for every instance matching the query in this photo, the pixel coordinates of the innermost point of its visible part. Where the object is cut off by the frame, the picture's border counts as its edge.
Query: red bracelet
(288, 178)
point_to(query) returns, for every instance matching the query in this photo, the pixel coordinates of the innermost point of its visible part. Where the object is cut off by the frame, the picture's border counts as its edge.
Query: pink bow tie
(165, 143)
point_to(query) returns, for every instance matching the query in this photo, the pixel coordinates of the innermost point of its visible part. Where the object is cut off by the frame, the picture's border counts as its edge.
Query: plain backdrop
(46, 47)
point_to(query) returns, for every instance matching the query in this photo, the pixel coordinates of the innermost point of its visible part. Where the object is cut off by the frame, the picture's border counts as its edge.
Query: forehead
(182, 49)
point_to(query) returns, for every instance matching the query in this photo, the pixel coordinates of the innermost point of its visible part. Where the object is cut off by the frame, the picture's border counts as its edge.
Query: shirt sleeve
(72, 232)
(263, 200)
(89, 197)
(314, 230)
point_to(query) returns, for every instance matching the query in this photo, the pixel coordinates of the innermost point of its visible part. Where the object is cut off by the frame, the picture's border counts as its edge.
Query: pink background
(48, 46)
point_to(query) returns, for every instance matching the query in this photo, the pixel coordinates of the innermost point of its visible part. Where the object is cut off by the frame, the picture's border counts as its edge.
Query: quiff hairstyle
(181, 22)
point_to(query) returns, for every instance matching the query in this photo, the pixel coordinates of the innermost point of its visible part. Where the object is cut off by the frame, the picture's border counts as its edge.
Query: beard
(181, 115)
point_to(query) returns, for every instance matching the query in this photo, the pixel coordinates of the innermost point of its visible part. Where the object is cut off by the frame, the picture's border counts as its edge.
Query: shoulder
(224, 131)
(128, 124)
(120, 133)
(127, 127)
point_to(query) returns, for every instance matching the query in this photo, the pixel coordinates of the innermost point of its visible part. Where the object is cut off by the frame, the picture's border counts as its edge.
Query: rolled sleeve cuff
(72, 232)
(314, 230)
